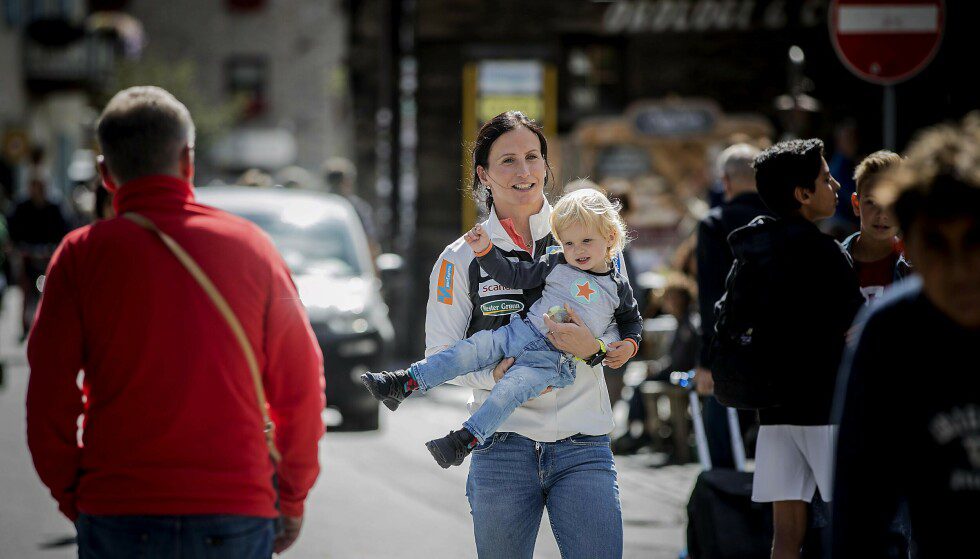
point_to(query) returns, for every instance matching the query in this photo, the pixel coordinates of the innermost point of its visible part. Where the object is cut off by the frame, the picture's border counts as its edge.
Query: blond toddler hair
(592, 209)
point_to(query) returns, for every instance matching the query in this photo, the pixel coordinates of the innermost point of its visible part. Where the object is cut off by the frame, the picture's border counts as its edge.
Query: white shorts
(791, 461)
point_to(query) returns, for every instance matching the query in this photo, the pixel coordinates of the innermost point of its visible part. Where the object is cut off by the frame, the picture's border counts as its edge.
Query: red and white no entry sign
(886, 41)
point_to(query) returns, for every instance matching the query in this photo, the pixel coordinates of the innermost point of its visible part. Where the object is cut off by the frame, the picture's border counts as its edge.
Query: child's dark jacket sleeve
(627, 315)
(518, 275)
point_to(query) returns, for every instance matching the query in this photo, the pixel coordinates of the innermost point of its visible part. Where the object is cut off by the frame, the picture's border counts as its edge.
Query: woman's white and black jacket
(463, 299)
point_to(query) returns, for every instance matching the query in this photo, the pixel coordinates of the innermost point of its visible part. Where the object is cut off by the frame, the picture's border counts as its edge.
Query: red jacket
(171, 423)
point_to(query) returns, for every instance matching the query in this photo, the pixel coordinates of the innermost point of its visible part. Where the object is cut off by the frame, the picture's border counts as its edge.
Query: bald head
(735, 167)
(144, 131)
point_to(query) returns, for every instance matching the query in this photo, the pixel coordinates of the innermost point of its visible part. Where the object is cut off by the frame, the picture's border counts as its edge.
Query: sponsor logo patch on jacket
(553, 249)
(444, 289)
(501, 306)
(493, 289)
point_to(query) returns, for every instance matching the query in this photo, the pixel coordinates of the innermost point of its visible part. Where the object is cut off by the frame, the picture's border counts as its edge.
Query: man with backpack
(714, 260)
(780, 330)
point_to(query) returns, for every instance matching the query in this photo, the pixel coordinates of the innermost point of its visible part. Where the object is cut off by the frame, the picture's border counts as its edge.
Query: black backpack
(748, 325)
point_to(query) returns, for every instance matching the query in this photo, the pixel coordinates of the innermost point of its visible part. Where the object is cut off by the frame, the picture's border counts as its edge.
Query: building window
(244, 5)
(247, 80)
(13, 13)
(593, 76)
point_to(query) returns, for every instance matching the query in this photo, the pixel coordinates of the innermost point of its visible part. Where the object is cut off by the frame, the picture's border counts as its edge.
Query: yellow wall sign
(491, 87)
(492, 105)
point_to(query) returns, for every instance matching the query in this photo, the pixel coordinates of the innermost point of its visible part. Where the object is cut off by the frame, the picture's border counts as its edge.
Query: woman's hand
(618, 354)
(572, 337)
(477, 239)
(501, 369)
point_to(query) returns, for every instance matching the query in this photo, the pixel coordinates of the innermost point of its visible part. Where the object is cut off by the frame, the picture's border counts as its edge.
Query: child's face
(876, 220)
(585, 248)
(947, 256)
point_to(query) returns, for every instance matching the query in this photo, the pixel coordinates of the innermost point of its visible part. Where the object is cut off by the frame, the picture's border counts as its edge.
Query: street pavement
(379, 495)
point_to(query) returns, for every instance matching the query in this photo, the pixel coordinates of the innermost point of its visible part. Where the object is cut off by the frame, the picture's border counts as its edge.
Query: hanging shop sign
(700, 16)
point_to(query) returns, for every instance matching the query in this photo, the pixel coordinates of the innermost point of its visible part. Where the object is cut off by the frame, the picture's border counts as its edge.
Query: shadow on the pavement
(63, 541)
(650, 523)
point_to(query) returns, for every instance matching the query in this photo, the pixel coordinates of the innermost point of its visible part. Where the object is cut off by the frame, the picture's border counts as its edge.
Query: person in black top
(901, 439)
(814, 297)
(714, 260)
(678, 300)
(36, 226)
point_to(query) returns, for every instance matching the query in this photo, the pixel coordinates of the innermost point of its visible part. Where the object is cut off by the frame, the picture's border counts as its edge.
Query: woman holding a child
(553, 451)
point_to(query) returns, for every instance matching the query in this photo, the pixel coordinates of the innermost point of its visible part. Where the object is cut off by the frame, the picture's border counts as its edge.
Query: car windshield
(323, 246)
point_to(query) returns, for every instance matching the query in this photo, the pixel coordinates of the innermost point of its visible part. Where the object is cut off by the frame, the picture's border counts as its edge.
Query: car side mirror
(389, 263)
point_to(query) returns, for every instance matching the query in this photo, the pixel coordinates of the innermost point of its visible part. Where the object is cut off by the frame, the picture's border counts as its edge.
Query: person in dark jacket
(815, 297)
(879, 261)
(901, 439)
(678, 300)
(36, 227)
(876, 249)
(714, 258)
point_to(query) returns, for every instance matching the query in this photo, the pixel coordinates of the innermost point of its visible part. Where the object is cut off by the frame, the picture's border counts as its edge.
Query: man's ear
(107, 181)
(187, 163)
(856, 204)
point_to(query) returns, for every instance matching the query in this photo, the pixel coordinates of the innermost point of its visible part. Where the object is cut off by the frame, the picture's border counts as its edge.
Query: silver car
(322, 241)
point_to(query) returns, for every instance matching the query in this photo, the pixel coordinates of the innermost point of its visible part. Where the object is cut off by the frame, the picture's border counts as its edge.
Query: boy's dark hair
(142, 131)
(872, 167)
(940, 177)
(782, 168)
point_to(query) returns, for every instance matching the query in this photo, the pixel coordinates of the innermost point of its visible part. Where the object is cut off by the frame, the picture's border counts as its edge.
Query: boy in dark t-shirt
(876, 250)
(902, 439)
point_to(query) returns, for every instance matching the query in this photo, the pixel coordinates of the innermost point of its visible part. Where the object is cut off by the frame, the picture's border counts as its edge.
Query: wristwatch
(598, 356)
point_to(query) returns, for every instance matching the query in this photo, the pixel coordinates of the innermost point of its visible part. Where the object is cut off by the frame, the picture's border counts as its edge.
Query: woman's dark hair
(782, 168)
(488, 134)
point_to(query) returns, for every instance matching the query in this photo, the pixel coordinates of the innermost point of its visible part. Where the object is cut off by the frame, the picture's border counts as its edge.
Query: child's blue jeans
(537, 365)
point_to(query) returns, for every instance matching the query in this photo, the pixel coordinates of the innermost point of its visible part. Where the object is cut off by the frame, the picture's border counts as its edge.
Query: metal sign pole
(890, 118)
(735, 433)
(704, 455)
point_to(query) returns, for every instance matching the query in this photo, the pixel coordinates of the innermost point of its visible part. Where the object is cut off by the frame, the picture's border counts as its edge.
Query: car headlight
(358, 348)
(348, 324)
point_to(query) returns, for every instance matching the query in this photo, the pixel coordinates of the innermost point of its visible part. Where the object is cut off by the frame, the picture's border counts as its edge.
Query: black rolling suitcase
(722, 520)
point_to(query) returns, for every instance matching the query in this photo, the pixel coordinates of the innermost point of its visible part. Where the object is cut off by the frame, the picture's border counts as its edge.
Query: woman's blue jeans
(188, 537)
(537, 365)
(513, 478)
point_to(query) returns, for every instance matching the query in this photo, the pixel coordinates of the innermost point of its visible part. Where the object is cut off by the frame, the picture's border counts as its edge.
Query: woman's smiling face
(515, 171)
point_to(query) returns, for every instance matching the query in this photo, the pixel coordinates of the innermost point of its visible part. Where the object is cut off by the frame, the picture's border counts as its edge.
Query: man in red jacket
(172, 459)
